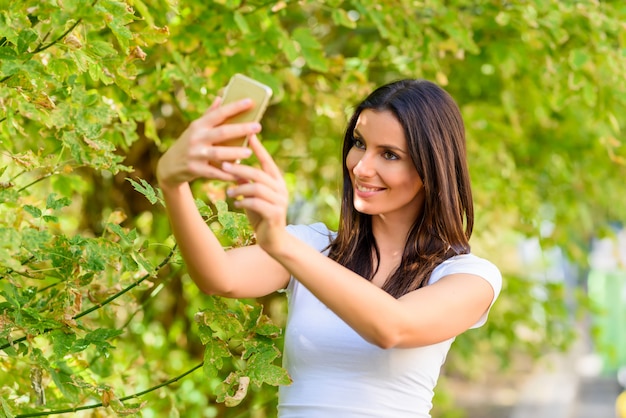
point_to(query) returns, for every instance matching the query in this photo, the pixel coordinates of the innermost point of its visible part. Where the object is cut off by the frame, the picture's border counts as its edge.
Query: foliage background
(95, 305)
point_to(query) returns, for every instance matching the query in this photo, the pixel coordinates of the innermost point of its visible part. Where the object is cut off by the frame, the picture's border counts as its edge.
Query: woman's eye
(389, 156)
(358, 143)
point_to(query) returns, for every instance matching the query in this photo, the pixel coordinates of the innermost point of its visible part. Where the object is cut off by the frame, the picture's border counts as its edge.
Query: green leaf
(221, 206)
(273, 375)
(377, 17)
(241, 22)
(311, 49)
(34, 211)
(116, 16)
(145, 263)
(35, 321)
(11, 296)
(101, 48)
(305, 38)
(341, 18)
(128, 238)
(62, 377)
(268, 330)
(214, 353)
(102, 334)
(145, 189)
(315, 59)
(6, 409)
(50, 218)
(98, 338)
(9, 68)
(62, 342)
(9, 238)
(26, 37)
(55, 204)
(203, 208)
(94, 258)
(226, 218)
(260, 365)
(7, 53)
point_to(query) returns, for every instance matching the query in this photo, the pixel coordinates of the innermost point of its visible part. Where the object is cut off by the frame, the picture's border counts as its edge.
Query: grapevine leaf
(35, 212)
(56, 204)
(145, 189)
(214, 352)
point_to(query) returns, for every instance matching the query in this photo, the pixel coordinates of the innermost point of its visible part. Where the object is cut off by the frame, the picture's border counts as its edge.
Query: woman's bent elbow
(209, 287)
(385, 340)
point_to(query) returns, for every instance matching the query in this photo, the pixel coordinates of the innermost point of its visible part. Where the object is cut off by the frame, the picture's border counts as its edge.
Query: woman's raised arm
(197, 154)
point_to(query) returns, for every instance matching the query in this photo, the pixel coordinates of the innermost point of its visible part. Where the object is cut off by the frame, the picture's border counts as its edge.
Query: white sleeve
(316, 235)
(471, 264)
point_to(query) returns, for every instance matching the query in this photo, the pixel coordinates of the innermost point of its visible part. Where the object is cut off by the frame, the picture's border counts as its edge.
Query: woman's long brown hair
(435, 134)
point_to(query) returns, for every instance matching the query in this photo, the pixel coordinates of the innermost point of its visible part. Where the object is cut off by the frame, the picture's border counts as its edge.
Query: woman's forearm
(205, 258)
(343, 291)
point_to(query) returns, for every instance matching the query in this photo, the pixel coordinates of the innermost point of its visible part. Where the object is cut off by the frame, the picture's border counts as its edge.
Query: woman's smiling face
(384, 178)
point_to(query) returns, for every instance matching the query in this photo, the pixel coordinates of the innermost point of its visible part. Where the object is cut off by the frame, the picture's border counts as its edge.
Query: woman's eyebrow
(381, 146)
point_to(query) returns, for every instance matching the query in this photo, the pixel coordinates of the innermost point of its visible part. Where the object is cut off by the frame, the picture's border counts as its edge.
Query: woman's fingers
(220, 113)
(203, 170)
(201, 133)
(250, 189)
(217, 153)
(214, 105)
(199, 152)
(250, 174)
(259, 198)
(265, 159)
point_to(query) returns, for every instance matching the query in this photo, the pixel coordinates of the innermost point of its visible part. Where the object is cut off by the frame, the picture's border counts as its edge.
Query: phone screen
(241, 87)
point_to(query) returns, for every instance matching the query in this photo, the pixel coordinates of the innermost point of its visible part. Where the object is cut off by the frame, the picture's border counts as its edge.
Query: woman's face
(384, 179)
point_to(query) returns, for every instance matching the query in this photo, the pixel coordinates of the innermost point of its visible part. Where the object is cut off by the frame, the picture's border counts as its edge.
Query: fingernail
(246, 101)
(230, 192)
(226, 165)
(255, 127)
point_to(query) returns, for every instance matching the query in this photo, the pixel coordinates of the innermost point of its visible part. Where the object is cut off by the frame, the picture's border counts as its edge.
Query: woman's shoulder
(469, 264)
(468, 260)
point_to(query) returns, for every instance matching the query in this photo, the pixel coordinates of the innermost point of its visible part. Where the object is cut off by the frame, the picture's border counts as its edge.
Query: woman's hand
(198, 154)
(263, 194)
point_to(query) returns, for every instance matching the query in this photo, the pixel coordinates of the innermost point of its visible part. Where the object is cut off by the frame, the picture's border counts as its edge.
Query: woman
(373, 308)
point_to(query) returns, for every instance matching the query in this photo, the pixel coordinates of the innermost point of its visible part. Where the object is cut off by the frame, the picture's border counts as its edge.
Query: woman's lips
(366, 189)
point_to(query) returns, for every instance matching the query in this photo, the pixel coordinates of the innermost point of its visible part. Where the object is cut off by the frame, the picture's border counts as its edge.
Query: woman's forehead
(379, 125)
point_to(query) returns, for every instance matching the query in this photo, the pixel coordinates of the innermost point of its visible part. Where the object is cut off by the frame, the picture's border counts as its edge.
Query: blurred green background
(95, 305)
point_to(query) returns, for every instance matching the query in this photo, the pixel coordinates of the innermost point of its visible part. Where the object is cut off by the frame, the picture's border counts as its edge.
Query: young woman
(374, 307)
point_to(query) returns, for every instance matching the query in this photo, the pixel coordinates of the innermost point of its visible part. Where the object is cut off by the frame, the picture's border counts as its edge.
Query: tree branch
(63, 35)
(105, 302)
(125, 398)
(126, 289)
(10, 270)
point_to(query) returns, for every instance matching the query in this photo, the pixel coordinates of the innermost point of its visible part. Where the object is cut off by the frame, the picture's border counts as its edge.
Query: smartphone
(241, 87)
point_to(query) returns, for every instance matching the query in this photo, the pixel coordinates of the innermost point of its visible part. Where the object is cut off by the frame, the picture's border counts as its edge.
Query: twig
(131, 286)
(63, 35)
(100, 404)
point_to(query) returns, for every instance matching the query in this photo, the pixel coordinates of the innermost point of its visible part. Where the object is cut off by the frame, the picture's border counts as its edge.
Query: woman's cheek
(351, 160)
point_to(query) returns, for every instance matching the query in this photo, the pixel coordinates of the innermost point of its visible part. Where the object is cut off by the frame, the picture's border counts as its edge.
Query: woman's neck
(390, 236)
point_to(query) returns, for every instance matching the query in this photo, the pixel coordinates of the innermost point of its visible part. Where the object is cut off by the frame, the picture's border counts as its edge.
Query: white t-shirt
(337, 374)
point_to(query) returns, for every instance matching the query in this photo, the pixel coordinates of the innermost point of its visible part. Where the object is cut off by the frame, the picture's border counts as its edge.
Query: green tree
(93, 291)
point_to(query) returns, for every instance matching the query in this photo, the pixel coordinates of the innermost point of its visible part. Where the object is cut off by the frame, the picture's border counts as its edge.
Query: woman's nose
(364, 168)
